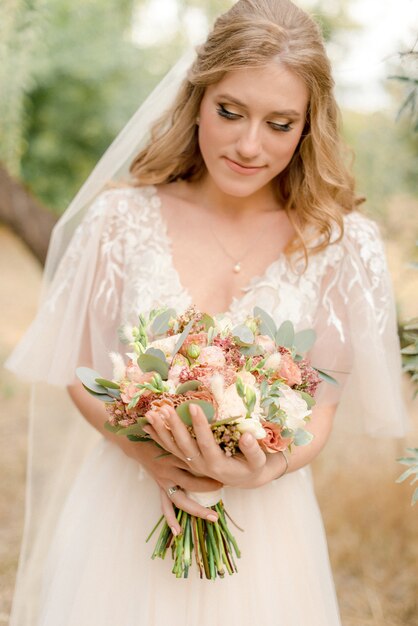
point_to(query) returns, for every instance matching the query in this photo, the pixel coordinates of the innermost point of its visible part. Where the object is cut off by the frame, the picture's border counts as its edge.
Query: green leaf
(137, 438)
(88, 377)
(134, 429)
(267, 325)
(304, 340)
(326, 377)
(243, 335)
(253, 350)
(414, 496)
(407, 473)
(182, 337)
(208, 321)
(302, 437)
(113, 429)
(285, 335)
(160, 325)
(107, 383)
(412, 349)
(190, 385)
(184, 413)
(151, 363)
(308, 399)
(104, 397)
(156, 352)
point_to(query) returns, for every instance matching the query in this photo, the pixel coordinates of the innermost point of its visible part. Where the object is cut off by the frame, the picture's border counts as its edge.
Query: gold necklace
(237, 262)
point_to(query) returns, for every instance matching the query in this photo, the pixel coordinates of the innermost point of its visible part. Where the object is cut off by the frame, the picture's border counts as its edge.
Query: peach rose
(197, 339)
(273, 441)
(128, 390)
(290, 371)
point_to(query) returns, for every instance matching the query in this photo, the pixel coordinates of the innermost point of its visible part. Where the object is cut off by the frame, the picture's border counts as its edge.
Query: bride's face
(250, 125)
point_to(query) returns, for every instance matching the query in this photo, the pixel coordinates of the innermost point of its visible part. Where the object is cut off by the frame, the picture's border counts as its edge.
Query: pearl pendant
(237, 268)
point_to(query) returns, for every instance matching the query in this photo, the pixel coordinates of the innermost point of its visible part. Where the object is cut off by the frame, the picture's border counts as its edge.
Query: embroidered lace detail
(139, 274)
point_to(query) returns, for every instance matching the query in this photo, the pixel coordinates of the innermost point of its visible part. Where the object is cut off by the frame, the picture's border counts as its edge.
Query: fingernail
(150, 419)
(212, 518)
(248, 440)
(193, 410)
(146, 429)
(174, 531)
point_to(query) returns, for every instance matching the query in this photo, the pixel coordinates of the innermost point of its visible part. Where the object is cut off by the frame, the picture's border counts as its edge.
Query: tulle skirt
(99, 571)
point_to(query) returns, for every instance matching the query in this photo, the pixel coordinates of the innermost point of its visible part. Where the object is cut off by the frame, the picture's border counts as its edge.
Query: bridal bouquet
(246, 378)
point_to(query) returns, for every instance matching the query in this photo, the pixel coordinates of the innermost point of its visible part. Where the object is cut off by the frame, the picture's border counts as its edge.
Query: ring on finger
(172, 490)
(192, 458)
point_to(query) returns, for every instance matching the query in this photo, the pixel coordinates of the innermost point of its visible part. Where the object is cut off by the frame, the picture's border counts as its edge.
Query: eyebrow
(288, 112)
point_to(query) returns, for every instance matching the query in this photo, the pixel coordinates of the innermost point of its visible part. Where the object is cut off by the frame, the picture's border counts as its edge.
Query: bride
(239, 197)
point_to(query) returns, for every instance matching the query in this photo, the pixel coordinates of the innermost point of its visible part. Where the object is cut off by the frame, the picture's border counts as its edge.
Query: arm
(252, 470)
(167, 471)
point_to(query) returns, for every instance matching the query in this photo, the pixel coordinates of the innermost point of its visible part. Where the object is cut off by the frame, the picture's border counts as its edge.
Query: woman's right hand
(170, 471)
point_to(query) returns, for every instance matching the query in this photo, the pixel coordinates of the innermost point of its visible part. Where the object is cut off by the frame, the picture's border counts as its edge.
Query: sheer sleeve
(357, 335)
(79, 315)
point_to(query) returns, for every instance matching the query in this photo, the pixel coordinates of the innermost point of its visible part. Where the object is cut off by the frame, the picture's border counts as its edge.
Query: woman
(240, 198)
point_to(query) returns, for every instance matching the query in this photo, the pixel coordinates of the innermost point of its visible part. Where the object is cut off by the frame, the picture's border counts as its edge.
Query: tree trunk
(20, 211)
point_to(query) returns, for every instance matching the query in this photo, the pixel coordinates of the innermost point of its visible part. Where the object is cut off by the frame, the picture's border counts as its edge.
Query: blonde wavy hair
(316, 188)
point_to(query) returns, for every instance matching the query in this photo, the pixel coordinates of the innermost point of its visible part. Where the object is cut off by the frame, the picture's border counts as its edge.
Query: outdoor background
(71, 74)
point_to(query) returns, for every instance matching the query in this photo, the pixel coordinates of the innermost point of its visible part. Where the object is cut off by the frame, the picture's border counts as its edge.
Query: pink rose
(212, 356)
(273, 441)
(133, 372)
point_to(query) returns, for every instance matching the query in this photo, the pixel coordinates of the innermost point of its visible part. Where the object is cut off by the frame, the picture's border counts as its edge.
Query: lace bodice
(136, 251)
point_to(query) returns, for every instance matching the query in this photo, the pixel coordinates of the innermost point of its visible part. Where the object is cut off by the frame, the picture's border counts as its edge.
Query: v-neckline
(254, 281)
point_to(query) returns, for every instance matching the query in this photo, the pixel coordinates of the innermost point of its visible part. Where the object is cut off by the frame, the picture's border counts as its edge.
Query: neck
(264, 200)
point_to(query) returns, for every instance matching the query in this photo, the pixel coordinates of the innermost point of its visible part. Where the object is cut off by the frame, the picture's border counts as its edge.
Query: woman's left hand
(203, 455)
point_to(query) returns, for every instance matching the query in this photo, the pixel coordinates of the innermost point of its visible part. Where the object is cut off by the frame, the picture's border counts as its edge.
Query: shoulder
(362, 238)
(120, 200)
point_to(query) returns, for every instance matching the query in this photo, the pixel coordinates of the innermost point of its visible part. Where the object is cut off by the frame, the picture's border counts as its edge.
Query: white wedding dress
(87, 563)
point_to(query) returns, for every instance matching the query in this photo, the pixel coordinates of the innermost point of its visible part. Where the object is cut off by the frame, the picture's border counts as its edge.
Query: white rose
(253, 426)
(294, 406)
(273, 361)
(223, 324)
(166, 345)
(212, 356)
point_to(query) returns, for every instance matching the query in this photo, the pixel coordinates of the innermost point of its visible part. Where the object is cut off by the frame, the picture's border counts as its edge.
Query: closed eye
(223, 112)
(280, 127)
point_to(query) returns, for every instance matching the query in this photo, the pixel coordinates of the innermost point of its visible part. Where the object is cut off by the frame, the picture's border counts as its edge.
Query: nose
(248, 144)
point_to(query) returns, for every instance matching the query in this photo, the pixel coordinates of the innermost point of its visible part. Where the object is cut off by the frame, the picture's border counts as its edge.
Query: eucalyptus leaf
(243, 335)
(415, 496)
(134, 429)
(151, 363)
(112, 429)
(190, 385)
(110, 384)
(104, 397)
(302, 437)
(253, 350)
(160, 324)
(182, 337)
(267, 325)
(285, 335)
(137, 438)
(184, 413)
(89, 377)
(156, 352)
(304, 340)
(326, 377)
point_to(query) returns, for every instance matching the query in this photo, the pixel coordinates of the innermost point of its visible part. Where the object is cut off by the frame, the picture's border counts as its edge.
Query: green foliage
(386, 157)
(412, 471)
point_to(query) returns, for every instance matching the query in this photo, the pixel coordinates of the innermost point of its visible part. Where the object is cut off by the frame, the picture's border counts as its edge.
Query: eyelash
(223, 112)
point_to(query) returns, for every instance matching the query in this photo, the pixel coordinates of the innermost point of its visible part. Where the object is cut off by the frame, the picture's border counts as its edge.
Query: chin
(239, 188)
